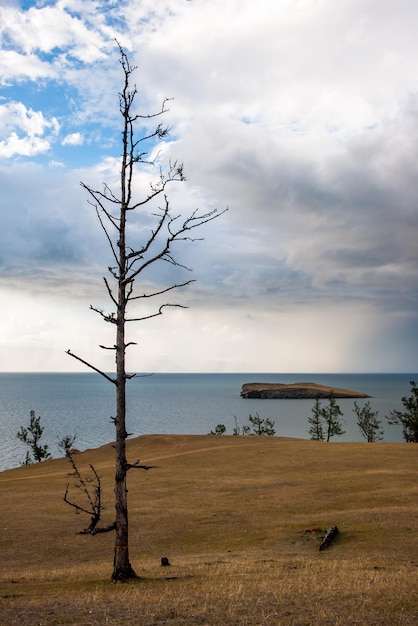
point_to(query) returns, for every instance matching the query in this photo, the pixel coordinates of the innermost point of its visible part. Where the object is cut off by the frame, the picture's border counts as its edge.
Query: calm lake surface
(83, 404)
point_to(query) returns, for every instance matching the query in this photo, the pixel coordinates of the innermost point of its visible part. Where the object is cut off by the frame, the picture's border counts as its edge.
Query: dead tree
(132, 259)
(90, 488)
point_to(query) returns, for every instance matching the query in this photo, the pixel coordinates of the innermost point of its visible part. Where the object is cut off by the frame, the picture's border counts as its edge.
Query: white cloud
(50, 27)
(17, 66)
(23, 130)
(73, 139)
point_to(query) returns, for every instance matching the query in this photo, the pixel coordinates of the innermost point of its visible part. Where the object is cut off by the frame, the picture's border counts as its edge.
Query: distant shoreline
(296, 391)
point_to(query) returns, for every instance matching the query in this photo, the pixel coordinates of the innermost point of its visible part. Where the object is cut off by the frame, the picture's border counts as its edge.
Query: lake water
(83, 404)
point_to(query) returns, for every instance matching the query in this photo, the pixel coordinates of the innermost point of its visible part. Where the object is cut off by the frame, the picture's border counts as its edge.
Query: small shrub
(31, 436)
(261, 426)
(408, 419)
(219, 430)
(316, 429)
(368, 423)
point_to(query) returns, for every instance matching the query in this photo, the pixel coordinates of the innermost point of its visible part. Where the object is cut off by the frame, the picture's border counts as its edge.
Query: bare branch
(108, 317)
(112, 380)
(136, 465)
(98, 203)
(108, 237)
(154, 234)
(102, 197)
(110, 196)
(175, 174)
(110, 292)
(129, 292)
(114, 274)
(103, 529)
(92, 495)
(168, 258)
(149, 116)
(195, 220)
(78, 507)
(159, 293)
(160, 312)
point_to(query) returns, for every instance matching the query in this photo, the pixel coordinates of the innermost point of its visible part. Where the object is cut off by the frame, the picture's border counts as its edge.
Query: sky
(299, 116)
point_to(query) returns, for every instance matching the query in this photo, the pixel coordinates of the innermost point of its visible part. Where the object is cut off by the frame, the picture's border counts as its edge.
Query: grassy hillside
(236, 516)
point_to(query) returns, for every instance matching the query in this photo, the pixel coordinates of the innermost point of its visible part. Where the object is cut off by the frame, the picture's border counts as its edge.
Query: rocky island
(297, 391)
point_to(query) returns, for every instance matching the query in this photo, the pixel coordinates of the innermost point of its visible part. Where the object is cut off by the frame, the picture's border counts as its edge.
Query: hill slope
(237, 518)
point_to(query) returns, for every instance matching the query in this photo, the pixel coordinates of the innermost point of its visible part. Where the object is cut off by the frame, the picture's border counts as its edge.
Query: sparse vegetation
(257, 426)
(31, 436)
(408, 418)
(368, 423)
(261, 426)
(325, 421)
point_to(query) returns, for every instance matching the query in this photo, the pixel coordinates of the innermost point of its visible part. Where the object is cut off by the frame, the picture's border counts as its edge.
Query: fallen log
(329, 537)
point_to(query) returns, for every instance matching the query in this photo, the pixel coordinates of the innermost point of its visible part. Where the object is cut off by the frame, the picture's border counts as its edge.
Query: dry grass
(231, 513)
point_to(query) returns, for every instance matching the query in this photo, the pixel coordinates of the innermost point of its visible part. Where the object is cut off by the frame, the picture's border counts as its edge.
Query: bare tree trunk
(122, 568)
